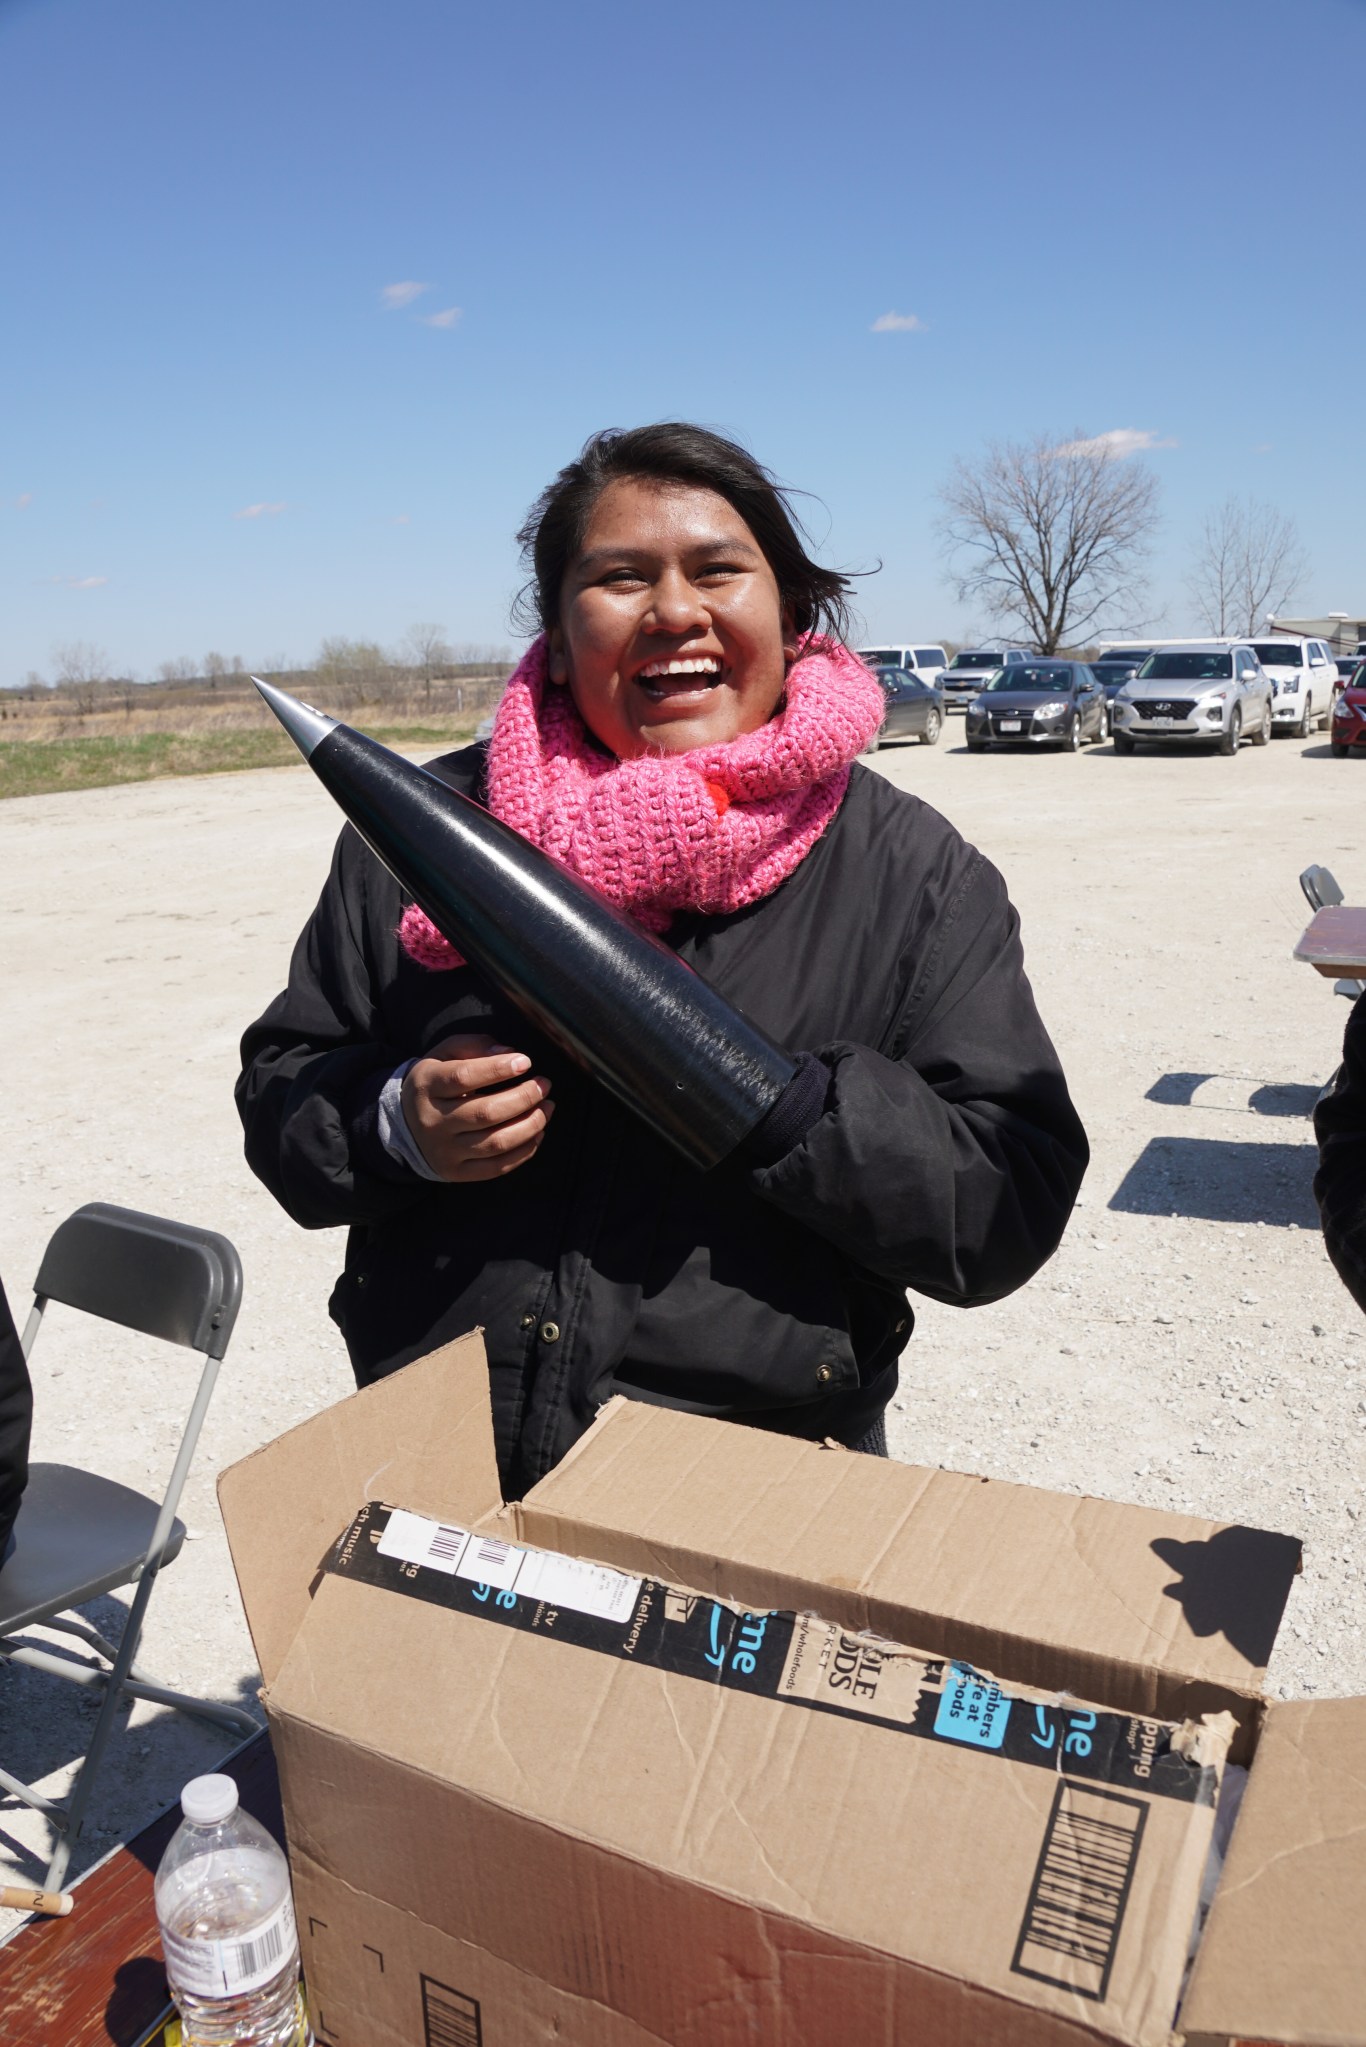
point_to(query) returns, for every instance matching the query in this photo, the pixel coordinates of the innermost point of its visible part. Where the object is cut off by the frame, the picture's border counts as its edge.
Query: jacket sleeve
(1340, 1183)
(950, 1162)
(314, 1065)
(16, 1422)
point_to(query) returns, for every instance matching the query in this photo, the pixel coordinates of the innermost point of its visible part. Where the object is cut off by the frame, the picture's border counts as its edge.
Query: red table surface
(1334, 940)
(95, 1978)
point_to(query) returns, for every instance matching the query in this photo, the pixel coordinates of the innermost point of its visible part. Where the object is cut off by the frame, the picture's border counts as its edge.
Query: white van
(1302, 674)
(928, 663)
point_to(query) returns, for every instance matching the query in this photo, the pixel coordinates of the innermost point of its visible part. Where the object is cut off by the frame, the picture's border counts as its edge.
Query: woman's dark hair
(815, 599)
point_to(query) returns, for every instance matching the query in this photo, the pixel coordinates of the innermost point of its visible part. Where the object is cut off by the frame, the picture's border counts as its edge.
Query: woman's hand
(471, 1111)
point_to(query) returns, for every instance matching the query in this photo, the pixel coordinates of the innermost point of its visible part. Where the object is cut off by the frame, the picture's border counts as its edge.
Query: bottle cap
(207, 1800)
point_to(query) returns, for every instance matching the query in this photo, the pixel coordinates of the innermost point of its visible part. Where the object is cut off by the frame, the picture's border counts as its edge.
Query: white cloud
(85, 582)
(259, 511)
(401, 519)
(897, 323)
(446, 318)
(1258, 448)
(395, 295)
(1119, 442)
(23, 501)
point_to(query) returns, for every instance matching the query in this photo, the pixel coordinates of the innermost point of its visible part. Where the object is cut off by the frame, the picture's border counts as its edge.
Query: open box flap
(1283, 1957)
(1156, 1612)
(422, 1438)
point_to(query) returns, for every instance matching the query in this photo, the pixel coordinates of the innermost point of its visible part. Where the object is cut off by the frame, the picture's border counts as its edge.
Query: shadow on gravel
(1265, 1098)
(1236, 1584)
(46, 1723)
(1212, 1181)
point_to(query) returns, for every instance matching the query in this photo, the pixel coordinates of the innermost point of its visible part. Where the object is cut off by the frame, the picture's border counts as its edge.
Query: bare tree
(1052, 537)
(353, 671)
(81, 673)
(1250, 563)
(426, 652)
(183, 669)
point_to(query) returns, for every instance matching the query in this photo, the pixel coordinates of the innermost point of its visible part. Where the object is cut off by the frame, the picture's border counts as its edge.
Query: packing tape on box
(796, 1658)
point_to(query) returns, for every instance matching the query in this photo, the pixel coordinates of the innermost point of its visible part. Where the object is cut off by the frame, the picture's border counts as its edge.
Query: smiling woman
(684, 734)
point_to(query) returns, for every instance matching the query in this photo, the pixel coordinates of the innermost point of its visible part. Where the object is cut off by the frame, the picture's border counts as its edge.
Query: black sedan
(915, 710)
(1038, 703)
(1114, 669)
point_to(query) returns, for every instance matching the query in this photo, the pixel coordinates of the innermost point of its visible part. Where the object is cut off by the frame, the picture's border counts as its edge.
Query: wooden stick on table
(56, 1904)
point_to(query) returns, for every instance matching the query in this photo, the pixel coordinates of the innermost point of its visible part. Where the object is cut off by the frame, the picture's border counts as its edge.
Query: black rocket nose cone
(611, 995)
(305, 726)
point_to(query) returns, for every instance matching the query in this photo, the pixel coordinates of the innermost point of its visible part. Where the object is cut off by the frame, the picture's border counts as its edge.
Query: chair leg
(17, 1788)
(81, 1790)
(92, 1636)
(233, 1717)
(104, 1727)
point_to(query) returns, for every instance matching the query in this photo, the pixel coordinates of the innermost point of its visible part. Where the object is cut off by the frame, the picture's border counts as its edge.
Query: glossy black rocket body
(610, 994)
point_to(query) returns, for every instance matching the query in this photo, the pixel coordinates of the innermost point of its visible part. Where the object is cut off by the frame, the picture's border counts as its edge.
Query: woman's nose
(675, 604)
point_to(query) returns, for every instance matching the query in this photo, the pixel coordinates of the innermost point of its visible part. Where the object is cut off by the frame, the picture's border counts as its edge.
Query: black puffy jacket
(946, 1159)
(1340, 1183)
(16, 1420)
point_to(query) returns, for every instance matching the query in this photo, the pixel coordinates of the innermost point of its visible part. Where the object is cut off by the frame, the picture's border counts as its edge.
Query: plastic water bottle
(227, 1926)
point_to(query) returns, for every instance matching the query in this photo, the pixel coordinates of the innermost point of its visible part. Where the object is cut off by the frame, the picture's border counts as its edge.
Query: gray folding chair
(79, 1536)
(1321, 892)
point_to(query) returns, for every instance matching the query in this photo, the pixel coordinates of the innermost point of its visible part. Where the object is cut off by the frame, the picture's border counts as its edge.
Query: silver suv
(1201, 690)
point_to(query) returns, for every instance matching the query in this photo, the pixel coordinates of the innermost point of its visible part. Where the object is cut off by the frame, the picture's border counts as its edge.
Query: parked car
(1349, 717)
(928, 663)
(1116, 665)
(1202, 691)
(968, 671)
(1043, 702)
(1346, 666)
(914, 709)
(1302, 674)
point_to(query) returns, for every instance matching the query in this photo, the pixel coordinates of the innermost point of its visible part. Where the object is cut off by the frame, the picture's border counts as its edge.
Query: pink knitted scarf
(707, 831)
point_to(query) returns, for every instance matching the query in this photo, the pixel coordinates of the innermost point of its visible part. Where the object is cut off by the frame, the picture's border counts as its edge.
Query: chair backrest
(168, 1279)
(1321, 891)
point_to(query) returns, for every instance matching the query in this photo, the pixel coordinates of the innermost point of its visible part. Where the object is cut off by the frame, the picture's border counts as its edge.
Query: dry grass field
(139, 732)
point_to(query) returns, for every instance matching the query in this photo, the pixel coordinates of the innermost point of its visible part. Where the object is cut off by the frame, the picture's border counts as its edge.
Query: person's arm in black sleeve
(1340, 1183)
(314, 1066)
(950, 1165)
(16, 1421)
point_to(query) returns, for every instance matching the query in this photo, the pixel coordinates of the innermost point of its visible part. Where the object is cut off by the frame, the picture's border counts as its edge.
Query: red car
(1349, 716)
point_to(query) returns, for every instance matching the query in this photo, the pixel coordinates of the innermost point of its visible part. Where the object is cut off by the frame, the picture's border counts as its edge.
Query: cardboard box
(856, 1752)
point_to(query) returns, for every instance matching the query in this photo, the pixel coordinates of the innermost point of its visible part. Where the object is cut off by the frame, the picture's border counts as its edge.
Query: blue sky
(1101, 217)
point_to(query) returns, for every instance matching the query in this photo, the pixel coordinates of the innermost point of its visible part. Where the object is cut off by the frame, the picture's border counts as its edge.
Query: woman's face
(671, 632)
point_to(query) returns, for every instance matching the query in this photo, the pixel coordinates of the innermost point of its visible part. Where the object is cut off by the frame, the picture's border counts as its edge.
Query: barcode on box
(450, 2018)
(1077, 1901)
(252, 1956)
(446, 1545)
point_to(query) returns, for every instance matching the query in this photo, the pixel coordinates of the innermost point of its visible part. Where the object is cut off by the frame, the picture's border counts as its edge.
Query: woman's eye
(718, 569)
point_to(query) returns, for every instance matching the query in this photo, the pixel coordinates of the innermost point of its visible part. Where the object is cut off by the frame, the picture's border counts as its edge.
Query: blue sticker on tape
(971, 1708)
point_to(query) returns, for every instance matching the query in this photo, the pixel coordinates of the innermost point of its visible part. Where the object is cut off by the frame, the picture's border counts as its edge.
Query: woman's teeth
(699, 672)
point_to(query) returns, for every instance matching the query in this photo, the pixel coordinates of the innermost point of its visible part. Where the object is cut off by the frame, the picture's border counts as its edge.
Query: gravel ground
(1189, 1346)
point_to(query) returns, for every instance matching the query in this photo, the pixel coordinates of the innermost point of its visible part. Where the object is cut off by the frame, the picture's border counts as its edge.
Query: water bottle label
(232, 1968)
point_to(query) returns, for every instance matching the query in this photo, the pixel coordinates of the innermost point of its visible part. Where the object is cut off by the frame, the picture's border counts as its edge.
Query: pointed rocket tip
(305, 726)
